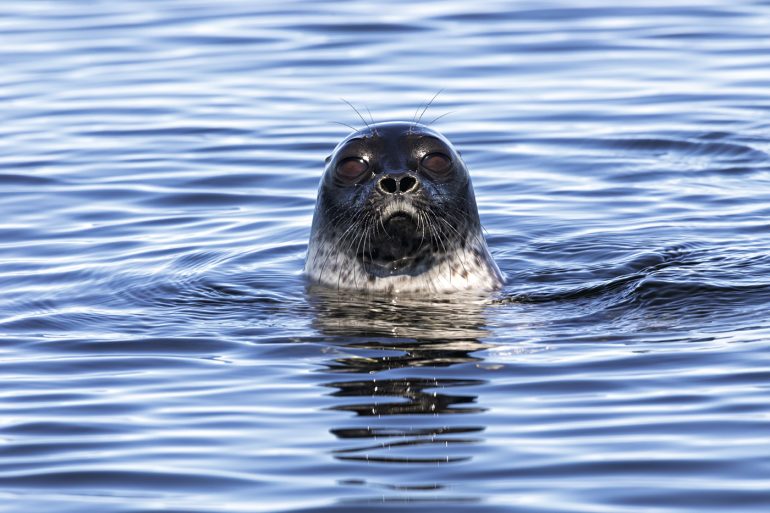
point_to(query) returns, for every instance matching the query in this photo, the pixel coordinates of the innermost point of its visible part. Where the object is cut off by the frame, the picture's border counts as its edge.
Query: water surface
(158, 168)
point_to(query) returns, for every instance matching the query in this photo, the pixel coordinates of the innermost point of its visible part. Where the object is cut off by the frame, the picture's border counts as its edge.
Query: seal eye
(351, 169)
(436, 163)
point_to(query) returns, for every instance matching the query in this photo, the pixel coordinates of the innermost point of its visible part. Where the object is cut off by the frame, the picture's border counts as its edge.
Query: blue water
(160, 352)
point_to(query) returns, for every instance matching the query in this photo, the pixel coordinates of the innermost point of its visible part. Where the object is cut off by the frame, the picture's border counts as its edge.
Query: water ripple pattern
(160, 351)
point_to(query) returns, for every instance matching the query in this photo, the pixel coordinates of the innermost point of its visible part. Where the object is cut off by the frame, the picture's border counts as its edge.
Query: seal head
(396, 212)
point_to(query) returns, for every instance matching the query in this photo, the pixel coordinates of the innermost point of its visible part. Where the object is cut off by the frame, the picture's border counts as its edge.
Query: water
(160, 352)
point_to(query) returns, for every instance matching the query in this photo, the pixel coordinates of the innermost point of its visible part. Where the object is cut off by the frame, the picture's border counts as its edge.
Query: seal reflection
(413, 418)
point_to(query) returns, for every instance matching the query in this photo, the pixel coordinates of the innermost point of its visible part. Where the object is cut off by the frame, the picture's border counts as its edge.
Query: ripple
(162, 352)
(695, 148)
(17, 179)
(122, 479)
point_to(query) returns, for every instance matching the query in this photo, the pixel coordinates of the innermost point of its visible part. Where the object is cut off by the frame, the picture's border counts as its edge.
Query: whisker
(345, 124)
(414, 116)
(357, 112)
(373, 122)
(429, 104)
(441, 116)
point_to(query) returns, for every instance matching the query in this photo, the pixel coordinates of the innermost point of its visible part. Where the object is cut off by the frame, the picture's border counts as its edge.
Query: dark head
(397, 199)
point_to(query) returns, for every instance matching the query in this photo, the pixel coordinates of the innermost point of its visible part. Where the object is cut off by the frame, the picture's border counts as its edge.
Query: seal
(396, 213)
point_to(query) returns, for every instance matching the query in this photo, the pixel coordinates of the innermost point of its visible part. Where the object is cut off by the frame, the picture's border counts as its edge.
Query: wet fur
(447, 248)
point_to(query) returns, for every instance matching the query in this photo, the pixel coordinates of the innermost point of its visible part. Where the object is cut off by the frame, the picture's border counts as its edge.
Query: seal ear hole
(436, 163)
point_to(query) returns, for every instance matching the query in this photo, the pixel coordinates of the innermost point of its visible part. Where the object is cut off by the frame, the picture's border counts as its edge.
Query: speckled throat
(463, 266)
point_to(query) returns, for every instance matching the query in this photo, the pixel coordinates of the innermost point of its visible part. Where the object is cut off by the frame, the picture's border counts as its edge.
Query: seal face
(396, 212)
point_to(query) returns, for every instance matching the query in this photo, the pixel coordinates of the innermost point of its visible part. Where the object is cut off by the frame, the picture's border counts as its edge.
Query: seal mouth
(399, 218)
(399, 221)
(398, 209)
(398, 245)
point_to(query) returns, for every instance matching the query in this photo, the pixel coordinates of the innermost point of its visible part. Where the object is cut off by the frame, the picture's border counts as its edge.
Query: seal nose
(396, 185)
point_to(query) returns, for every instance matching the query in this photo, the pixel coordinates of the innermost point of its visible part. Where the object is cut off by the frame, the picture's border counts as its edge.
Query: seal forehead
(391, 131)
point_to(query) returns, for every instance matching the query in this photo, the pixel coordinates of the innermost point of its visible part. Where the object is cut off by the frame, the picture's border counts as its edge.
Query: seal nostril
(389, 185)
(407, 183)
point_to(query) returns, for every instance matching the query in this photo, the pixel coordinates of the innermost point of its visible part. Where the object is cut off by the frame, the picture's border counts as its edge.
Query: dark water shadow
(684, 287)
(412, 418)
